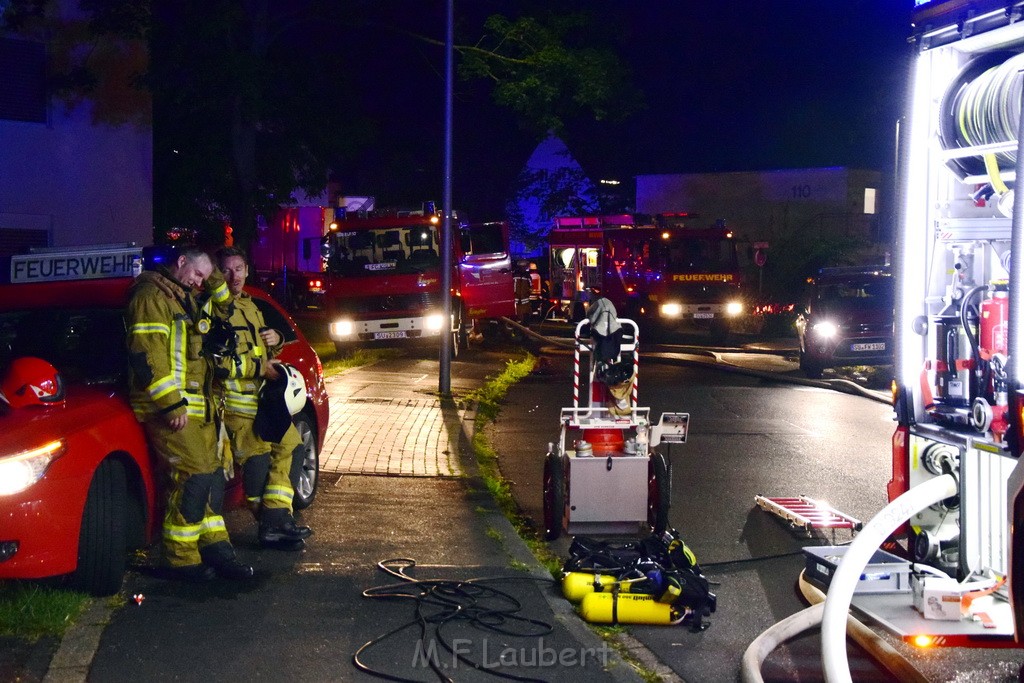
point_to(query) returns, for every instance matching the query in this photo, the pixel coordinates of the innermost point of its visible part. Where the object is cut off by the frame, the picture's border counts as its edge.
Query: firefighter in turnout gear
(268, 468)
(172, 396)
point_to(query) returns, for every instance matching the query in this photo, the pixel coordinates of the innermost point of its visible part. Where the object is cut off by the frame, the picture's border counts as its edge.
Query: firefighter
(267, 467)
(171, 394)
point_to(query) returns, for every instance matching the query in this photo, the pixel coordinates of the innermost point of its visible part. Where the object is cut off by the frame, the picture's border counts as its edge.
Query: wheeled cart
(603, 474)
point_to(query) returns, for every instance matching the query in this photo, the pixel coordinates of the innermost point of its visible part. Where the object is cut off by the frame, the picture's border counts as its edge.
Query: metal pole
(444, 381)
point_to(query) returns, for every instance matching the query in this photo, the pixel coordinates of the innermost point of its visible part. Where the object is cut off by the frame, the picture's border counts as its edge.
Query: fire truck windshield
(696, 255)
(383, 251)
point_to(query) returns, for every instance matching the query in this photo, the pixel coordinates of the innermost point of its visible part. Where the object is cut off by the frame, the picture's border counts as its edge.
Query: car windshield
(86, 345)
(409, 249)
(873, 293)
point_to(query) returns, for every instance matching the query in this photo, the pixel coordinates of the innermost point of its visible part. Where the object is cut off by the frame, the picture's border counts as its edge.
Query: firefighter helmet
(295, 389)
(31, 381)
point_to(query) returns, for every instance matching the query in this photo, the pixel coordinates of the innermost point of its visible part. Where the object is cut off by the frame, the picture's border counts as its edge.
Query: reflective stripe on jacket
(245, 377)
(170, 375)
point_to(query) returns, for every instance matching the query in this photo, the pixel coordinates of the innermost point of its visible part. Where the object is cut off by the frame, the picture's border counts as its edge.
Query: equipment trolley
(604, 474)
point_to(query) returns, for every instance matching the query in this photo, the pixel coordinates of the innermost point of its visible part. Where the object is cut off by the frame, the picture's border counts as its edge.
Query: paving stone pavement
(409, 433)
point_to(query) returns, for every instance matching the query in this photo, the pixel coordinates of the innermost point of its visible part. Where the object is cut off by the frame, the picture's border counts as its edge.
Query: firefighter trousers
(266, 466)
(193, 528)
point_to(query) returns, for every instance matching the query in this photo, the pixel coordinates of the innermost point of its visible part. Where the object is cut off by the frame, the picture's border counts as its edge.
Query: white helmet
(295, 390)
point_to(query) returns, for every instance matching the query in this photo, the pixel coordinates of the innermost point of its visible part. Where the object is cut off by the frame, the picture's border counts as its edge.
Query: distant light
(665, 235)
(610, 182)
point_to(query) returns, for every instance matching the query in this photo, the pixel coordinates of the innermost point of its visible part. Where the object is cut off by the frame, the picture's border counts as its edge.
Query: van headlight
(20, 470)
(671, 310)
(342, 328)
(434, 322)
(826, 330)
(734, 308)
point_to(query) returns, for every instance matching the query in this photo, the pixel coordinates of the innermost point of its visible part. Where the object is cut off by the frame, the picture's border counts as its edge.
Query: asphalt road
(747, 436)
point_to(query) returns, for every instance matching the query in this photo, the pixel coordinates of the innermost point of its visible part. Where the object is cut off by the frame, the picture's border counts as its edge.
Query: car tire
(102, 541)
(309, 472)
(812, 369)
(659, 492)
(554, 496)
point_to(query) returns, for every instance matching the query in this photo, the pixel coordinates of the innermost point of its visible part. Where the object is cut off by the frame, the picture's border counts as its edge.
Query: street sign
(760, 258)
(760, 245)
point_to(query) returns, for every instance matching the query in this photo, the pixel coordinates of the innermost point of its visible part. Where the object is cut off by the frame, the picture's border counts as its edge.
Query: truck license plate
(389, 335)
(874, 346)
(703, 315)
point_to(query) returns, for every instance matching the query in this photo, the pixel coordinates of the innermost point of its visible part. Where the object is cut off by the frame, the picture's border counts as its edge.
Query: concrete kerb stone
(74, 655)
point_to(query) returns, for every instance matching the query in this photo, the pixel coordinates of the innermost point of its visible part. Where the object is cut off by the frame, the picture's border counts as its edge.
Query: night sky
(734, 85)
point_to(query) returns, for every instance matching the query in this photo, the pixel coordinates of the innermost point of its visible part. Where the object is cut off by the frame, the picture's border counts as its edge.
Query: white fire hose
(840, 593)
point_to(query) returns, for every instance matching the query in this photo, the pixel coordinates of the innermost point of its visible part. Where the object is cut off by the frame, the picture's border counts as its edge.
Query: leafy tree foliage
(254, 102)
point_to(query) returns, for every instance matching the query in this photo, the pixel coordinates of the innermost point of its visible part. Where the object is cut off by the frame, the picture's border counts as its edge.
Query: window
(275, 320)
(22, 80)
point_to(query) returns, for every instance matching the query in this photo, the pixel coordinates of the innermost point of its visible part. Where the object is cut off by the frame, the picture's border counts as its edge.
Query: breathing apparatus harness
(661, 565)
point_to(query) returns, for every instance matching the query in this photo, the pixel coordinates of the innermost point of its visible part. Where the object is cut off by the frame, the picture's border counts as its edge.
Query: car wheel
(659, 492)
(309, 470)
(102, 541)
(812, 369)
(554, 496)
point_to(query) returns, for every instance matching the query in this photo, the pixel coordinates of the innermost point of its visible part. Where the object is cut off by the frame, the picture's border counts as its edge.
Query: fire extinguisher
(989, 407)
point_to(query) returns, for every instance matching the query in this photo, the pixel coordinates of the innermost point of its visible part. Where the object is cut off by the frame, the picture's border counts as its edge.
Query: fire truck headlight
(18, 471)
(671, 310)
(825, 330)
(734, 308)
(342, 328)
(434, 322)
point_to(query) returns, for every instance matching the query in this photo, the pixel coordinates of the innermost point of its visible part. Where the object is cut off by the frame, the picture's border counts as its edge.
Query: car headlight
(434, 322)
(342, 328)
(671, 310)
(734, 308)
(825, 330)
(18, 471)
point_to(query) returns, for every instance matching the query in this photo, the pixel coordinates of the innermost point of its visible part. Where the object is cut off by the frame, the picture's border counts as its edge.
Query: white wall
(85, 184)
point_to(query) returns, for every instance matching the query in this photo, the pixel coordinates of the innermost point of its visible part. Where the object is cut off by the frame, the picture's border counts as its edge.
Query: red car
(79, 490)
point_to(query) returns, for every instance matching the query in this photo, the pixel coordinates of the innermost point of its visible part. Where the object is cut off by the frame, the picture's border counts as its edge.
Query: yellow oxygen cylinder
(627, 608)
(577, 584)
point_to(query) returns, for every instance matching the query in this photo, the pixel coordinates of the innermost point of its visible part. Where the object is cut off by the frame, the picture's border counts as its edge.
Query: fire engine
(959, 386)
(382, 277)
(658, 270)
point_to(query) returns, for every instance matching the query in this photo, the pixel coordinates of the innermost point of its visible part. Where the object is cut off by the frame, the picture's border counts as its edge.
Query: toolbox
(885, 573)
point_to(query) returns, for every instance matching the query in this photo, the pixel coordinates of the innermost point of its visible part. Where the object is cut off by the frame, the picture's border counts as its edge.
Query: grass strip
(488, 400)
(30, 611)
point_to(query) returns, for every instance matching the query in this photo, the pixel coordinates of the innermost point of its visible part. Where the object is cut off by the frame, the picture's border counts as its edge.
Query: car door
(485, 271)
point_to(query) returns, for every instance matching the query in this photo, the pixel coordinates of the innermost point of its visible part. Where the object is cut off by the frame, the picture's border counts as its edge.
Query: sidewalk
(304, 616)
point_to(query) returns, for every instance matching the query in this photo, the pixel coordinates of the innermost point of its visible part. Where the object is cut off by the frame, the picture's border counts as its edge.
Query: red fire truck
(659, 270)
(958, 332)
(382, 277)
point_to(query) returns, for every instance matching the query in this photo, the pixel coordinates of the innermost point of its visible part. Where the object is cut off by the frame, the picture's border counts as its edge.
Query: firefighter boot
(221, 556)
(278, 530)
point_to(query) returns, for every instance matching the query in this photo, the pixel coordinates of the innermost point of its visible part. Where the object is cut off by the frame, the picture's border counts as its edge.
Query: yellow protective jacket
(245, 374)
(170, 375)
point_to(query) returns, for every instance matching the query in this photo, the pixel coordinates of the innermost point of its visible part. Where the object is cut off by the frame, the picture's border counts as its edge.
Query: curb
(74, 655)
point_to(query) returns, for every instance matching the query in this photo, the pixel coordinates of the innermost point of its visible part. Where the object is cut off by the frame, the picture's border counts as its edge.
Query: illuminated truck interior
(958, 300)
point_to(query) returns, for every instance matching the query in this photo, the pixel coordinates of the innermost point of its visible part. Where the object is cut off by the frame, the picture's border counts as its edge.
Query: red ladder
(808, 513)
